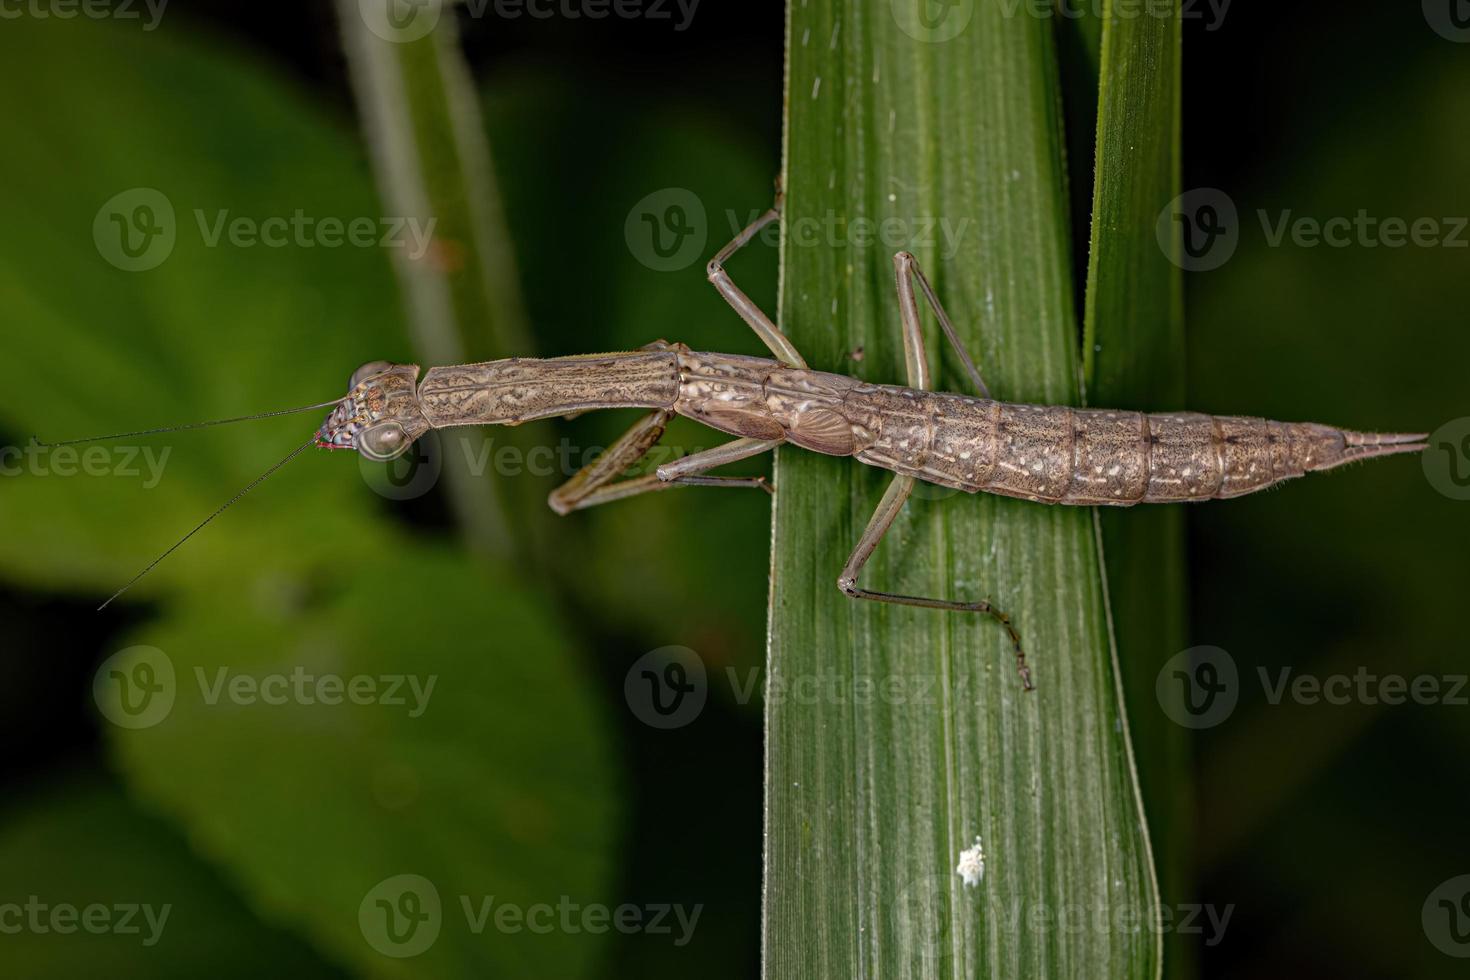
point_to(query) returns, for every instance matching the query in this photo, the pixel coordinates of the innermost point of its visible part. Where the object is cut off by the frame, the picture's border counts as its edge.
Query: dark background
(1326, 827)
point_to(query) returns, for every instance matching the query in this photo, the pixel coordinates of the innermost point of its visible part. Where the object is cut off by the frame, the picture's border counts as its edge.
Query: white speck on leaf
(972, 864)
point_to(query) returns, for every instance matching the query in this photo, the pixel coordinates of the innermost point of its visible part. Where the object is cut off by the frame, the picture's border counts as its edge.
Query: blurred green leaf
(77, 842)
(870, 801)
(459, 773)
(305, 806)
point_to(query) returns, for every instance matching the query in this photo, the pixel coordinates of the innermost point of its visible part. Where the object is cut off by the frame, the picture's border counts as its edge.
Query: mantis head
(380, 417)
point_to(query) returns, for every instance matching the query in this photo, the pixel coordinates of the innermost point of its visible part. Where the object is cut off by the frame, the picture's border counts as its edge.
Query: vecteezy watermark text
(406, 21)
(303, 687)
(304, 231)
(1211, 12)
(669, 229)
(65, 918)
(1188, 919)
(402, 916)
(39, 460)
(137, 687)
(1201, 229)
(138, 229)
(1200, 687)
(571, 917)
(152, 10)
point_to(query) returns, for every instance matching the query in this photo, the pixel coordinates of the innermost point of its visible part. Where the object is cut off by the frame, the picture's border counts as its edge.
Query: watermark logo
(150, 12)
(305, 688)
(400, 21)
(922, 920)
(1210, 12)
(649, 10)
(1199, 230)
(135, 688)
(417, 471)
(1447, 460)
(401, 916)
(925, 233)
(666, 688)
(667, 230)
(933, 21)
(409, 476)
(135, 230)
(301, 230)
(38, 460)
(572, 918)
(1199, 687)
(1450, 19)
(1446, 917)
(41, 918)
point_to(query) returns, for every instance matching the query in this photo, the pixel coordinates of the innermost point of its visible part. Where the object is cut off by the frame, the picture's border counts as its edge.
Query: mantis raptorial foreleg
(590, 485)
(752, 314)
(594, 483)
(907, 269)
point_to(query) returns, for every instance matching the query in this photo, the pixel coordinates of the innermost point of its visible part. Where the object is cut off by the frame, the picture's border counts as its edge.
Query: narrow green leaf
(896, 736)
(1135, 356)
(432, 161)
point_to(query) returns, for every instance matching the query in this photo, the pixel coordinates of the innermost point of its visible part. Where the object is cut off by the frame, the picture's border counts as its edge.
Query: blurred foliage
(505, 786)
(79, 842)
(1330, 825)
(1324, 826)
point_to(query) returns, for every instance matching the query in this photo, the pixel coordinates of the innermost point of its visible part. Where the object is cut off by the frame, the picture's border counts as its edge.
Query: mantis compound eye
(384, 441)
(368, 370)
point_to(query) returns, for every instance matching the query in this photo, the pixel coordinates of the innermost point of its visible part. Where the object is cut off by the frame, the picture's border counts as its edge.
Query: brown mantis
(1045, 453)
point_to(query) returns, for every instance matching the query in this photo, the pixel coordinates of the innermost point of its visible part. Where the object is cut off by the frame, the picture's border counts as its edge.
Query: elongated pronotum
(1051, 454)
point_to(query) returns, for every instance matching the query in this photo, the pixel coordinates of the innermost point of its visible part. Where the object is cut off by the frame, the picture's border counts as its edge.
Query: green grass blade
(1134, 351)
(895, 736)
(432, 161)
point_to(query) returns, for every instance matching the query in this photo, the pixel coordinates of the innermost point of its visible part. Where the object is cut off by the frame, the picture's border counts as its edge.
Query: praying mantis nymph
(1052, 454)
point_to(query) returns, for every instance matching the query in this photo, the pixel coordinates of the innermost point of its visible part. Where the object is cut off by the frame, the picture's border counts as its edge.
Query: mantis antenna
(194, 425)
(201, 525)
(202, 425)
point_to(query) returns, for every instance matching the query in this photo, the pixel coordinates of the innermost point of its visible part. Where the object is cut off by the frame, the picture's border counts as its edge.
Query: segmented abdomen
(1057, 454)
(1048, 453)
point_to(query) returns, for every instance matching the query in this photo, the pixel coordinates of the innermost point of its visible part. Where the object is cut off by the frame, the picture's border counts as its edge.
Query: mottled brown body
(1046, 453)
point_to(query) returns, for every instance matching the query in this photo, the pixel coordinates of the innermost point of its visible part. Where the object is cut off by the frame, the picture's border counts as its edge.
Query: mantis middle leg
(764, 326)
(898, 492)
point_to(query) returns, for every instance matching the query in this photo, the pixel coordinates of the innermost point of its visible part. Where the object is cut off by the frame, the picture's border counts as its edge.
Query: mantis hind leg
(907, 268)
(902, 486)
